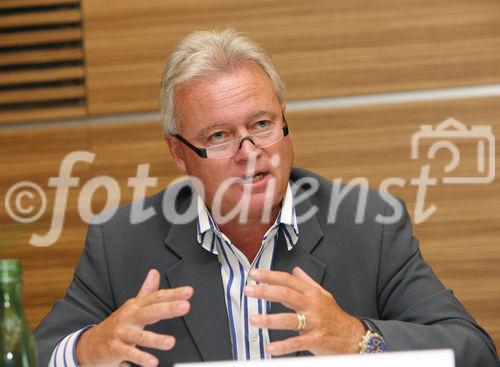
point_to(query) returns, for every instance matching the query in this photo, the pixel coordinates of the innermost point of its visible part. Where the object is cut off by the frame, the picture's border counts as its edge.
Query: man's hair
(205, 53)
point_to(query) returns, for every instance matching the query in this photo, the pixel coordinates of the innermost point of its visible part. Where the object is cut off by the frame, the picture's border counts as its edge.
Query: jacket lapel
(207, 321)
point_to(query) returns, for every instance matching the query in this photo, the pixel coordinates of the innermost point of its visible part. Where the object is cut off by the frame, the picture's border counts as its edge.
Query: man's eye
(262, 124)
(218, 136)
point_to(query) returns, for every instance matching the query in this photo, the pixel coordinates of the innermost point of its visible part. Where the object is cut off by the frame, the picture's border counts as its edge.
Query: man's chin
(256, 207)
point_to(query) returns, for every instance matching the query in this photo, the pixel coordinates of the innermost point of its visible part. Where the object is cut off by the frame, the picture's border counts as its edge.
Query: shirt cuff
(64, 355)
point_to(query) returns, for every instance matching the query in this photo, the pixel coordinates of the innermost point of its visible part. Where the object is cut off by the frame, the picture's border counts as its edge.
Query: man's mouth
(251, 179)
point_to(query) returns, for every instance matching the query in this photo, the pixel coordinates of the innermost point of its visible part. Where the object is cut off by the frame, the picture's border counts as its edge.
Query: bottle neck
(11, 297)
(10, 287)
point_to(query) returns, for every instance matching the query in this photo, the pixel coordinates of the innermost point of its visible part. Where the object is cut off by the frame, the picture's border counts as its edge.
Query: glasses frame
(202, 152)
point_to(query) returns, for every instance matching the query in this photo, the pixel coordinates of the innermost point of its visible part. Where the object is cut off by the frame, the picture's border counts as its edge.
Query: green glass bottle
(17, 346)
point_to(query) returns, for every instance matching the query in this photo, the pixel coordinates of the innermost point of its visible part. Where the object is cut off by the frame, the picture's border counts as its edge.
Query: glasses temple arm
(202, 152)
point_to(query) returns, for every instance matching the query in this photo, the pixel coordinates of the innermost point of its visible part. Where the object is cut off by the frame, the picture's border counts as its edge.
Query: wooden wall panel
(42, 94)
(322, 47)
(35, 155)
(5, 4)
(41, 61)
(42, 76)
(42, 113)
(41, 18)
(28, 57)
(31, 38)
(460, 240)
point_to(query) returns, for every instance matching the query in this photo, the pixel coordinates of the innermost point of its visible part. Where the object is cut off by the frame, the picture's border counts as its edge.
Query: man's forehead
(246, 75)
(226, 99)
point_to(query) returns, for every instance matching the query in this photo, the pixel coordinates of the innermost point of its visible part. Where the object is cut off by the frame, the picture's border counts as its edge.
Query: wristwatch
(373, 340)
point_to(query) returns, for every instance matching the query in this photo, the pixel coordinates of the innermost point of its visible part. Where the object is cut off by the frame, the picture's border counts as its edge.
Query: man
(260, 271)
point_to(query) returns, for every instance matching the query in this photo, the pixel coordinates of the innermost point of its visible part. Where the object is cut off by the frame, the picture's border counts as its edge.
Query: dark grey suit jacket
(372, 270)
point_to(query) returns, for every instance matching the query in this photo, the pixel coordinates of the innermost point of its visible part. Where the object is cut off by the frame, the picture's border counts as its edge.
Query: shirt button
(253, 339)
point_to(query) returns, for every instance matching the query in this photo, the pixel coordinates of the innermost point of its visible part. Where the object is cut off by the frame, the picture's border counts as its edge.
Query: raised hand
(328, 329)
(114, 340)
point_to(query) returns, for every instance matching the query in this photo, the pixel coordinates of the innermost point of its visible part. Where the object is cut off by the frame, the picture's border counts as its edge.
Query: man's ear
(176, 152)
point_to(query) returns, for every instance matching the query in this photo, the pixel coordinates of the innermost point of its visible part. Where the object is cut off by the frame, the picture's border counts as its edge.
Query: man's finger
(291, 345)
(136, 356)
(280, 321)
(279, 278)
(151, 283)
(301, 274)
(160, 311)
(165, 295)
(276, 293)
(148, 339)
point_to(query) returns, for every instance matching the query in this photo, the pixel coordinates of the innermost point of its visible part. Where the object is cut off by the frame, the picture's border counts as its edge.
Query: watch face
(375, 344)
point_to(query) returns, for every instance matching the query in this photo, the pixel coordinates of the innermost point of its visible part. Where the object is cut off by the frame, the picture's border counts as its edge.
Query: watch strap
(370, 325)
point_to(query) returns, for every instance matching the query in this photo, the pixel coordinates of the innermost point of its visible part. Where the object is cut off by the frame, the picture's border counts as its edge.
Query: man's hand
(328, 330)
(114, 339)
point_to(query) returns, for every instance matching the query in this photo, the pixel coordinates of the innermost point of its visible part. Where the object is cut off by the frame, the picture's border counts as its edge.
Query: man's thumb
(151, 283)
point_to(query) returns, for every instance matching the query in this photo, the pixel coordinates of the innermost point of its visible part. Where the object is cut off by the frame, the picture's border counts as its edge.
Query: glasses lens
(267, 138)
(221, 151)
(260, 140)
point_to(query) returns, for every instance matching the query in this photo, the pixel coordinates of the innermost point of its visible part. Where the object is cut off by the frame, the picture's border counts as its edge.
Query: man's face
(233, 105)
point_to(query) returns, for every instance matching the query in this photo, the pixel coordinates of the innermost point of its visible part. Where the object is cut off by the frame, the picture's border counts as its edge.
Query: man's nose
(247, 149)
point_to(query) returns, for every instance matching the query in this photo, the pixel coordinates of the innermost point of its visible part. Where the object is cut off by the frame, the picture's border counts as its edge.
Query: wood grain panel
(41, 56)
(40, 37)
(41, 61)
(322, 47)
(40, 114)
(6, 4)
(35, 155)
(42, 94)
(37, 76)
(460, 240)
(39, 18)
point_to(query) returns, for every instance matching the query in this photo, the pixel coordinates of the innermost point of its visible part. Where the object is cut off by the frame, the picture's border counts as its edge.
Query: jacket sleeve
(88, 300)
(416, 311)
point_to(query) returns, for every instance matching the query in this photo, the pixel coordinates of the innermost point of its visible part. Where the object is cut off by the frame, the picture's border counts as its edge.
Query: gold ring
(301, 318)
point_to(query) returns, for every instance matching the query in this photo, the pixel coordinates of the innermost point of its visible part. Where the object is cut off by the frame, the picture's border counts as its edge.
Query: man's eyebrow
(203, 132)
(261, 113)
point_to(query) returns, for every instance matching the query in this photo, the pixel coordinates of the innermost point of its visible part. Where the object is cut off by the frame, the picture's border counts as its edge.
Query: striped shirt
(247, 341)
(65, 352)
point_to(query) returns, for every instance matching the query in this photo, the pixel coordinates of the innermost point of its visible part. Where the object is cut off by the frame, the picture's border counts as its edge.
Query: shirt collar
(286, 217)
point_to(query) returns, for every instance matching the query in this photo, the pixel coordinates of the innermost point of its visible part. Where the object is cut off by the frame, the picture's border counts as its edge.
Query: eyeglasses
(265, 137)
